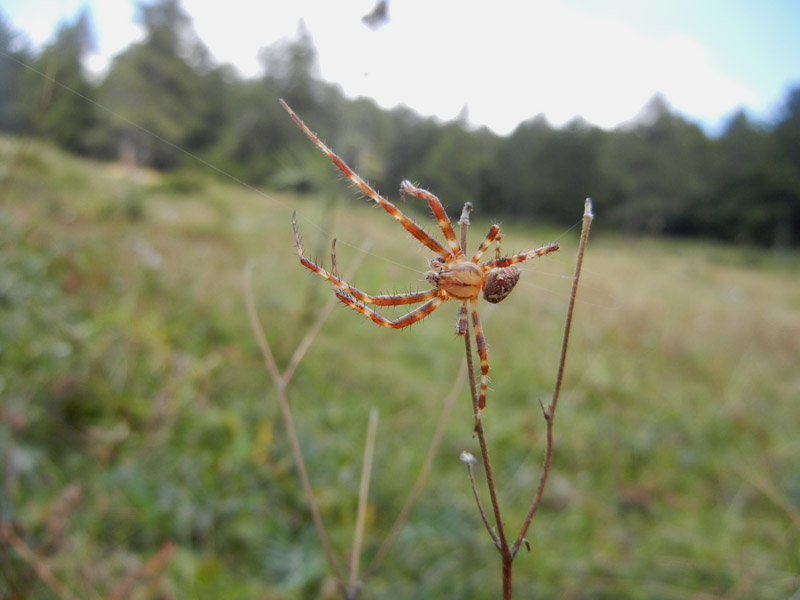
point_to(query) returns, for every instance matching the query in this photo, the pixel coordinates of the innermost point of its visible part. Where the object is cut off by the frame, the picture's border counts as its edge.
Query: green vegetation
(142, 449)
(660, 174)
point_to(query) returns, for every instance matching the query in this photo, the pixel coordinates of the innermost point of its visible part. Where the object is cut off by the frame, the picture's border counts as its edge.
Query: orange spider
(453, 275)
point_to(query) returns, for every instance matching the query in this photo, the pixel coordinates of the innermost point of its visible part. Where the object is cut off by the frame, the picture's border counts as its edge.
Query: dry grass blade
(363, 493)
(416, 489)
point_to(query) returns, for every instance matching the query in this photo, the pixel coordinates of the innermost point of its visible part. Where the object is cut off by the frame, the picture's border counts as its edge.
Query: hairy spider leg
(494, 232)
(341, 285)
(406, 187)
(446, 260)
(370, 192)
(517, 258)
(480, 342)
(404, 321)
(462, 322)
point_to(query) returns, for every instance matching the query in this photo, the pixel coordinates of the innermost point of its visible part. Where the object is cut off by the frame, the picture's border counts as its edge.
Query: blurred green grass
(136, 411)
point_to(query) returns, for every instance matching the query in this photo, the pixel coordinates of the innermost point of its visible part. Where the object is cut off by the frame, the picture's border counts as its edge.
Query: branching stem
(351, 589)
(280, 382)
(507, 553)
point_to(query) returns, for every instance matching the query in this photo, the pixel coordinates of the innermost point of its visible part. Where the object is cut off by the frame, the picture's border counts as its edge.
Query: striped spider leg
(452, 275)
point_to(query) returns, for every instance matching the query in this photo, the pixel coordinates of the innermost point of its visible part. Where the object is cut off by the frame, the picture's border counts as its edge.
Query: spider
(452, 275)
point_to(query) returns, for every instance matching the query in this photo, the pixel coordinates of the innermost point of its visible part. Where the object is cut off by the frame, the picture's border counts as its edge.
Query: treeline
(164, 102)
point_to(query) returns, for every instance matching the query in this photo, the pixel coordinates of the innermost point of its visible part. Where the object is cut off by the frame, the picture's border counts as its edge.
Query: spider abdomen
(499, 283)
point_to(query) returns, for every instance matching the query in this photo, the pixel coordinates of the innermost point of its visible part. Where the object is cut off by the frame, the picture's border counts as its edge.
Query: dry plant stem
(485, 519)
(447, 406)
(29, 556)
(363, 492)
(550, 411)
(487, 465)
(281, 381)
(766, 487)
(150, 569)
(497, 534)
(286, 412)
(507, 553)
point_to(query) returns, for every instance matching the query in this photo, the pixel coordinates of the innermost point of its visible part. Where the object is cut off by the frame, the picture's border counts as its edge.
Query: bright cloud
(508, 61)
(505, 60)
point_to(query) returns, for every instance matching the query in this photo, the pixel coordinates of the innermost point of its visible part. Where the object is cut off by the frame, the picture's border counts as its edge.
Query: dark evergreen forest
(164, 103)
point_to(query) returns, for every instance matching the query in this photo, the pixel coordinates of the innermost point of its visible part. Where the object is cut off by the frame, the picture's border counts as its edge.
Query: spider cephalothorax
(452, 275)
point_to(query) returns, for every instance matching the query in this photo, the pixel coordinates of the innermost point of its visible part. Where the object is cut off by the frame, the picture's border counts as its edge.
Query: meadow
(144, 455)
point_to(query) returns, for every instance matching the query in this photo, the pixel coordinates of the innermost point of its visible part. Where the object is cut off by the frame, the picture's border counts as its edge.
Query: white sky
(506, 60)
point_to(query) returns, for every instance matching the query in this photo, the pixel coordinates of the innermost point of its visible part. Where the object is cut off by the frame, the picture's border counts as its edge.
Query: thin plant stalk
(550, 411)
(433, 447)
(467, 458)
(286, 412)
(281, 381)
(497, 534)
(43, 571)
(363, 493)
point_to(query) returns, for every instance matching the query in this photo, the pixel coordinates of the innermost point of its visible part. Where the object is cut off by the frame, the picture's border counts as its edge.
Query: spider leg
(370, 192)
(461, 319)
(480, 341)
(510, 260)
(346, 288)
(406, 187)
(404, 321)
(494, 232)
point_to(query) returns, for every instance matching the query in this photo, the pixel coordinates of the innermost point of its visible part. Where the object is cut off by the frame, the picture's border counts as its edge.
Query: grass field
(144, 456)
